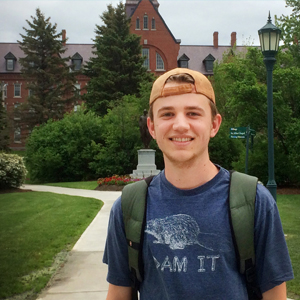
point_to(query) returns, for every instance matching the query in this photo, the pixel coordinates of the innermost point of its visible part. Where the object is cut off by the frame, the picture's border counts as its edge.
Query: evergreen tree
(4, 132)
(49, 80)
(117, 66)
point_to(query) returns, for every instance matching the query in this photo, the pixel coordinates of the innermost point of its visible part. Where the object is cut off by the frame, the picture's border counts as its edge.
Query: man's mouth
(186, 139)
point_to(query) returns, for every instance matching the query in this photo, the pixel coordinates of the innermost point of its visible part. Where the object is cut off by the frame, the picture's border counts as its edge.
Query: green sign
(238, 132)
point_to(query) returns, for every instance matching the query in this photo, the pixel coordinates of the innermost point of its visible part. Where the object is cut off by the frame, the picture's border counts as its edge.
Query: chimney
(64, 33)
(216, 39)
(233, 39)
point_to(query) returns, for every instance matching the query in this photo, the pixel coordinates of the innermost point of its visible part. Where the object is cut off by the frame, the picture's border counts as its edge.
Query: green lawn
(86, 185)
(37, 230)
(289, 208)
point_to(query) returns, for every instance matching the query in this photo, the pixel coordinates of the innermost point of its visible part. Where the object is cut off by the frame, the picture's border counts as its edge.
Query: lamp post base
(272, 187)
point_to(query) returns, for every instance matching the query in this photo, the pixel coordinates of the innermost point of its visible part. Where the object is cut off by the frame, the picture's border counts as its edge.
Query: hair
(185, 78)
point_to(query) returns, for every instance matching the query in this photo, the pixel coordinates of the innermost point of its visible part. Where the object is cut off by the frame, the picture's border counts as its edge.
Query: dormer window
(209, 63)
(183, 62)
(145, 21)
(10, 61)
(137, 23)
(76, 61)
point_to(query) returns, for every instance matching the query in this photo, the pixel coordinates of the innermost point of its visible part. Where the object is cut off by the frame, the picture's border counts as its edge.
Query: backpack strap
(242, 194)
(134, 203)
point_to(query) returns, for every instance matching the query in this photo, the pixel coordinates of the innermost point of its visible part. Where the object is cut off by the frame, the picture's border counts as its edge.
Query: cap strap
(178, 90)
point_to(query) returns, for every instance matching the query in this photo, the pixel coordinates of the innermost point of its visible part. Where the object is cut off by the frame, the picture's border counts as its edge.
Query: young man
(188, 251)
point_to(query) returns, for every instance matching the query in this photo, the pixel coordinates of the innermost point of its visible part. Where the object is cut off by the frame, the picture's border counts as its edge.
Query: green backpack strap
(242, 211)
(134, 202)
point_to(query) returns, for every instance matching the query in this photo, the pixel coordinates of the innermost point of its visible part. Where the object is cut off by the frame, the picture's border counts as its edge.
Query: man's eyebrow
(166, 108)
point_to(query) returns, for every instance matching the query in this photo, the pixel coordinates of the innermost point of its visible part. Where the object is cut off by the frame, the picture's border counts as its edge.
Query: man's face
(182, 126)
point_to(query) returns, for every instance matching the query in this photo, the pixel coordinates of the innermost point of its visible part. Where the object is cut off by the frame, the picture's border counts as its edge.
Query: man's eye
(193, 114)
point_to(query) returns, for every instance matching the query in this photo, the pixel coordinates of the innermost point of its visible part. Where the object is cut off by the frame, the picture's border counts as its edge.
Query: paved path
(83, 276)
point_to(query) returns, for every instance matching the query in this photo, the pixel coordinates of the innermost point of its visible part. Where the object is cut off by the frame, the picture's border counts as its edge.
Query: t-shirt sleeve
(116, 253)
(272, 257)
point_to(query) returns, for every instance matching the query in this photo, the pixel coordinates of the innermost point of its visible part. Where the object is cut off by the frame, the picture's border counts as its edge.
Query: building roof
(84, 50)
(197, 54)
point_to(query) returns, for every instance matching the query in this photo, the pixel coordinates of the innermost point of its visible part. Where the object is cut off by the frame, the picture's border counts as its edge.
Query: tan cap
(202, 85)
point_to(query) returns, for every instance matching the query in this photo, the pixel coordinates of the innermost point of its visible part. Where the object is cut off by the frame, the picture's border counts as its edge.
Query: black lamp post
(269, 41)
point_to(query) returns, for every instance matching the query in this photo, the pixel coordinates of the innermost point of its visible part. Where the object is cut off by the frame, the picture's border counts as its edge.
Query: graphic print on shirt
(178, 232)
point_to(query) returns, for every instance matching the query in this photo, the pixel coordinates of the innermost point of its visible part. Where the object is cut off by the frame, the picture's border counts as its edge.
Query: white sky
(191, 21)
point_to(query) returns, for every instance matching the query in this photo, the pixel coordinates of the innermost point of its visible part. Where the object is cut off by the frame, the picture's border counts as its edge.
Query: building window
(4, 90)
(30, 92)
(17, 135)
(17, 111)
(209, 63)
(76, 61)
(145, 54)
(17, 90)
(10, 61)
(137, 23)
(183, 62)
(76, 107)
(145, 22)
(159, 62)
(77, 89)
(153, 24)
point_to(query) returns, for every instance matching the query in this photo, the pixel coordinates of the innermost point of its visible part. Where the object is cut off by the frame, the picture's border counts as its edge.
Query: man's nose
(181, 123)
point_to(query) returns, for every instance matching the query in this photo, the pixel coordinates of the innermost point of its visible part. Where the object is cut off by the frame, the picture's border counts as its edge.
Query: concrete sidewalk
(83, 276)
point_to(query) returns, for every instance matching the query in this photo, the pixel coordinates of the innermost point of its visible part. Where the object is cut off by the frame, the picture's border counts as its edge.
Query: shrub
(62, 150)
(12, 170)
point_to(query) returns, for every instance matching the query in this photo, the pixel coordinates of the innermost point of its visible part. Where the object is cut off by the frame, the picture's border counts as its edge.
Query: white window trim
(20, 84)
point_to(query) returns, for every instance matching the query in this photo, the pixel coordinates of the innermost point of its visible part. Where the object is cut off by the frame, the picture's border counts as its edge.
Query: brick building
(160, 48)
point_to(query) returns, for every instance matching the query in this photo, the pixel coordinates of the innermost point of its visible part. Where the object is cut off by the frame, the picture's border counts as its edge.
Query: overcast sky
(191, 21)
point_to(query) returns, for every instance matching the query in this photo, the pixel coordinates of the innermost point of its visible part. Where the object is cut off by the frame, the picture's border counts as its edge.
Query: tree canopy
(50, 83)
(116, 69)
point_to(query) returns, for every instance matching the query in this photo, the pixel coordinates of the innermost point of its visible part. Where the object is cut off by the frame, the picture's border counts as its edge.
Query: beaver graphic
(177, 231)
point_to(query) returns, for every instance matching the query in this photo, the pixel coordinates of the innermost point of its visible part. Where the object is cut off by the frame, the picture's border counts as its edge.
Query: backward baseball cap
(202, 85)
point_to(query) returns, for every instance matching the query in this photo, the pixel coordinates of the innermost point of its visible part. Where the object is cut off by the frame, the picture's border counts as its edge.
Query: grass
(289, 208)
(37, 230)
(86, 185)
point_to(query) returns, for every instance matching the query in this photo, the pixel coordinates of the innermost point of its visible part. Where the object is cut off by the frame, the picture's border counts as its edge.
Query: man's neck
(189, 177)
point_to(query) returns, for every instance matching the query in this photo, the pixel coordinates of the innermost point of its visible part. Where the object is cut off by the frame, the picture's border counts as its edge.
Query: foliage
(290, 30)
(117, 66)
(4, 129)
(116, 180)
(37, 231)
(241, 92)
(48, 76)
(12, 171)
(223, 151)
(62, 150)
(121, 140)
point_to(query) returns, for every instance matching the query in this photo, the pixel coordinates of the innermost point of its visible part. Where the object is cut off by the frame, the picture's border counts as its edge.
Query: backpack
(242, 193)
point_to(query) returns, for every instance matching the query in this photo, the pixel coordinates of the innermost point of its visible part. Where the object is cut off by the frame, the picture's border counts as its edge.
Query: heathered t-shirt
(188, 251)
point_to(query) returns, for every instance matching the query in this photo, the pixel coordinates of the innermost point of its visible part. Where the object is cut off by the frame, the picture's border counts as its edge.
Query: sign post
(243, 133)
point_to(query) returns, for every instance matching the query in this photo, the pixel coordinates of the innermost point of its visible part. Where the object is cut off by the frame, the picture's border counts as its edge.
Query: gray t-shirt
(188, 251)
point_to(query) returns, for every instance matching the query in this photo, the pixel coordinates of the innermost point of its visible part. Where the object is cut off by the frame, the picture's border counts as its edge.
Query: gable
(148, 7)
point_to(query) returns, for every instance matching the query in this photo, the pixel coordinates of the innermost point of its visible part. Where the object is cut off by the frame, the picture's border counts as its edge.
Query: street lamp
(269, 41)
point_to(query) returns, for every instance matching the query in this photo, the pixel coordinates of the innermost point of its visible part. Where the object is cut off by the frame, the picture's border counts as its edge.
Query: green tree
(48, 76)
(290, 30)
(117, 66)
(241, 93)
(62, 150)
(4, 131)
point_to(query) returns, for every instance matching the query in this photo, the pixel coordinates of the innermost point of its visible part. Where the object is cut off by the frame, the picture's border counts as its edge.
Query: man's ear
(150, 125)
(215, 125)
